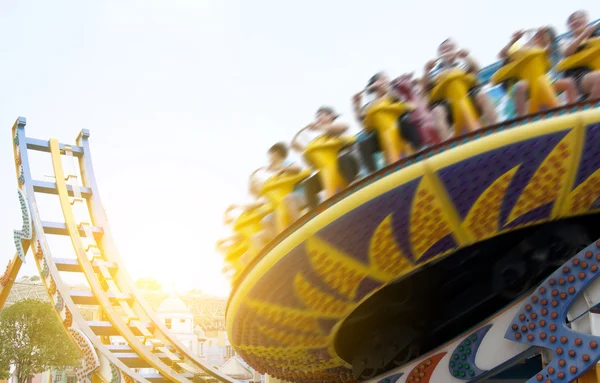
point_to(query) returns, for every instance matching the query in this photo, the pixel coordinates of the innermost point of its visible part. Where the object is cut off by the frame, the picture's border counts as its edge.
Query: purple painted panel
(466, 180)
(532, 156)
(538, 214)
(352, 233)
(441, 246)
(590, 157)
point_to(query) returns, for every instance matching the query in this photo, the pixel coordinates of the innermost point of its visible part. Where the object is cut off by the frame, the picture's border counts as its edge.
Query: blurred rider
(448, 56)
(588, 83)
(326, 123)
(544, 38)
(269, 229)
(377, 88)
(280, 164)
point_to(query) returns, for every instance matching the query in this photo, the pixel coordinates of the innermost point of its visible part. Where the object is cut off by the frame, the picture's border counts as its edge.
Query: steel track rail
(108, 367)
(111, 253)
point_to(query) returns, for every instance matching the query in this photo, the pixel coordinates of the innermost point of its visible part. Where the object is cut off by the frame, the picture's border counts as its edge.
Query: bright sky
(183, 97)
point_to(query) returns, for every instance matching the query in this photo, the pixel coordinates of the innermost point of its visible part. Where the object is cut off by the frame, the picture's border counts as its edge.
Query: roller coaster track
(122, 311)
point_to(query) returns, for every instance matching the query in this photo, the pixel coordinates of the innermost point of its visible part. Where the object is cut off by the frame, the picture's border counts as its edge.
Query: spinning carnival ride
(453, 264)
(448, 266)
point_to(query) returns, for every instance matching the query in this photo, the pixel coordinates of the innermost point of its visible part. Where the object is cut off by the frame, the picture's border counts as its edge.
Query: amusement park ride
(448, 265)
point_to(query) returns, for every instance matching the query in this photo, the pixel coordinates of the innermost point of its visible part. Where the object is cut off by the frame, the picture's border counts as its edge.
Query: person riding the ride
(448, 57)
(269, 230)
(280, 164)
(409, 89)
(544, 38)
(588, 83)
(379, 87)
(326, 123)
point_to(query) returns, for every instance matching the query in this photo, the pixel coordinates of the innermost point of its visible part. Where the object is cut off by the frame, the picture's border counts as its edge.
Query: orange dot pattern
(317, 376)
(384, 252)
(68, 321)
(319, 302)
(585, 194)
(482, 220)
(427, 223)
(296, 364)
(547, 181)
(421, 373)
(90, 358)
(295, 339)
(292, 319)
(335, 268)
(294, 355)
(6, 276)
(39, 253)
(128, 379)
(52, 287)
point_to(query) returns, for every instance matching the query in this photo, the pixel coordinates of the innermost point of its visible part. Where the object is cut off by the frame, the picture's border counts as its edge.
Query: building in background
(197, 320)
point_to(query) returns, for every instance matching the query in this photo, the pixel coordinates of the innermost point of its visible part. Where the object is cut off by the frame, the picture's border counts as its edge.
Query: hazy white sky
(183, 97)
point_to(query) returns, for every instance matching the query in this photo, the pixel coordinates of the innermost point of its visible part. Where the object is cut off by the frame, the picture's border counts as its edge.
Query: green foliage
(33, 340)
(148, 284)
(194, 292)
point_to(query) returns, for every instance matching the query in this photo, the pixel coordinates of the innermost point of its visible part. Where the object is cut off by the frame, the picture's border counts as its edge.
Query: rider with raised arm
(379, 87)
(269, 230)
(588, 83)
(326, 123)
(448, 55)
(544, 38)
(279, 163)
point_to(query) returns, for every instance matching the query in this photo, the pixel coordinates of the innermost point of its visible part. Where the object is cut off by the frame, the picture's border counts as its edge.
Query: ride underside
(450, 265)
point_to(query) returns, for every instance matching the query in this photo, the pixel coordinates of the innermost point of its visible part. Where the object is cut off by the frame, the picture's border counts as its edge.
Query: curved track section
(121, 311)
(285, 315)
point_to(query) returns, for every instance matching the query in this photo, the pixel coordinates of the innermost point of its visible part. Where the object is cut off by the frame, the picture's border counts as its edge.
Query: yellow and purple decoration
(284, 314)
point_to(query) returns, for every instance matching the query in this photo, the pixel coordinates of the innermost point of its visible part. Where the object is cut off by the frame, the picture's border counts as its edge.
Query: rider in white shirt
(448, 55)
(587, 82)
(326, 123)
(279, 163)
(268, 232)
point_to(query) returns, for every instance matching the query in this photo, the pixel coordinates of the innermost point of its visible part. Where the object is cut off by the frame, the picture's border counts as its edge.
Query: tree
(33, 340)
(148, 284)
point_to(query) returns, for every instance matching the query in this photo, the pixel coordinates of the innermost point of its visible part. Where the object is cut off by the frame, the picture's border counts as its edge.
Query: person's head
(447, 46)
(545, 36)
(254, 186)
(278, 153)
(326, 115)
(379, 82)
(577, 20)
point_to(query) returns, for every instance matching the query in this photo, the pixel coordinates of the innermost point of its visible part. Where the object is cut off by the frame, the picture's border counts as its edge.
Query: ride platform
(403, 272)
